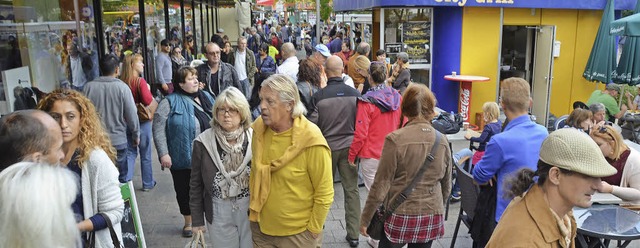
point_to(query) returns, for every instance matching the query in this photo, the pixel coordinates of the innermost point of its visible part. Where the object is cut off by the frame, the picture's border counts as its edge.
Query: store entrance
(527, 53)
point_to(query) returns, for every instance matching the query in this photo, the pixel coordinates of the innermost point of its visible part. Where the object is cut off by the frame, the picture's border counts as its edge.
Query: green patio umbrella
(628, 70)
(602, 59)
(628, 26)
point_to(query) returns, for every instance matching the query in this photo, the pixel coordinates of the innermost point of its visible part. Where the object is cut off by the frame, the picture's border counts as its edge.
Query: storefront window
(175, 20)
(409, 30)
(121, 24)
(197, 24)
(35, 35)
(156, 32)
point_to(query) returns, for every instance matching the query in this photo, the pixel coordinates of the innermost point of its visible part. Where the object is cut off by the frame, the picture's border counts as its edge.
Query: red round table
(465, 92)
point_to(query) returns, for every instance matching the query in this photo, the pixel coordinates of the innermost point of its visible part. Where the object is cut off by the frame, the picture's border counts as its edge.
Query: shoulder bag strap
(139, 91)
(409, 189)
(114, 236)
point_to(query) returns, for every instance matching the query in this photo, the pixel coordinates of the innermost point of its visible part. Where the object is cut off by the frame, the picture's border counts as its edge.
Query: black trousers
(181, 179)
(386, 243)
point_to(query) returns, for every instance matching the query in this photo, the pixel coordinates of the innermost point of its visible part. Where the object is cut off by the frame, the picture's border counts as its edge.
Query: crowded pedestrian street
(327, 123)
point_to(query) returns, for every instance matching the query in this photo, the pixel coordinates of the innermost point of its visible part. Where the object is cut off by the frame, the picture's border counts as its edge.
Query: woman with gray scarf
(220, 173)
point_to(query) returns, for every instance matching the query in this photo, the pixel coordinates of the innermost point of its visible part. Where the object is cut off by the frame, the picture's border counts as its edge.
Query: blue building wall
(447, 38)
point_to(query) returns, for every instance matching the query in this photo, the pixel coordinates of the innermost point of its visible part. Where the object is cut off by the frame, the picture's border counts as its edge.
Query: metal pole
(318, 34)
(76, 8)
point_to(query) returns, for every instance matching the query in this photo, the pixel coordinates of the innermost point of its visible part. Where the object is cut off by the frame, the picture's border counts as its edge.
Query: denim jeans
(121, 162)
(456, 157)
(146, 167)
(246, 88)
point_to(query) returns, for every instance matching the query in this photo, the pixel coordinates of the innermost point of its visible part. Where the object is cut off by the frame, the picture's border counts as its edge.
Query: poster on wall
(17, 90)
(416, 36)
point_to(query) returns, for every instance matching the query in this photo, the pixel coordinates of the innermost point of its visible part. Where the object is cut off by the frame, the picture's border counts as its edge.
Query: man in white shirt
(244, 62)
(290, 65)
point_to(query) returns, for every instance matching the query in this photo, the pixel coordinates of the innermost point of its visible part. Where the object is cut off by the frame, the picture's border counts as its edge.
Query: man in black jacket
(215, 74)
(334, 111)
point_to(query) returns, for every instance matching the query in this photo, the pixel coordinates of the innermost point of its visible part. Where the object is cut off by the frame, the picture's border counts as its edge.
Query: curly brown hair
(92, 133)
(309, 71)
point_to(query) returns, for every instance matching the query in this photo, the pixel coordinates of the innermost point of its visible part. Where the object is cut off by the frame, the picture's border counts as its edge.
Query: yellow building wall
(575, 29)
(588, 22)
(479, 53)
(566, 22)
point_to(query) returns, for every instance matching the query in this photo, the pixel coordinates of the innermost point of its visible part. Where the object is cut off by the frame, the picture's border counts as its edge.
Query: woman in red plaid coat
(419, 220)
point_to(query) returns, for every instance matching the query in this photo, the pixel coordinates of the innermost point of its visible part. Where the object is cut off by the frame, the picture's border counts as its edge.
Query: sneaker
(147, 189)
(455, 196)
(372, 242)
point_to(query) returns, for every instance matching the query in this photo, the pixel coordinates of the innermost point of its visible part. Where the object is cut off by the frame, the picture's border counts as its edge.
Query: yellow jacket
(291, 183)
(528, 222)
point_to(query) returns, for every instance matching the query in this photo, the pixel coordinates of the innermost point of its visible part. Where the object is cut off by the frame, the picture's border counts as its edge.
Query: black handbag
(91, 239)
(376, 226)
(447, 123)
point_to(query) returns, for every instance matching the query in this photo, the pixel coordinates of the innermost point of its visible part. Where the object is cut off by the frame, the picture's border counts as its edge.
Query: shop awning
(265, 2)
(350, 5)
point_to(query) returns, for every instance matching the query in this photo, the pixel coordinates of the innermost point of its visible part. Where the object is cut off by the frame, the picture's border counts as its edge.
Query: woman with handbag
(89, 154)
(309, 82)
(132, 68)
(221, 163)
(266, 67)
(180, 117)
(401, 74)
(405, 168)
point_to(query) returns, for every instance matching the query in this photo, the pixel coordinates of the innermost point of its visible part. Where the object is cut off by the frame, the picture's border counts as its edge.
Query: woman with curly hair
(89, 154)
(132, 68)
(310, 80)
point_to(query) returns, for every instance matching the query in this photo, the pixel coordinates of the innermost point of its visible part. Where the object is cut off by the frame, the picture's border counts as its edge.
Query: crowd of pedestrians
(253, 138)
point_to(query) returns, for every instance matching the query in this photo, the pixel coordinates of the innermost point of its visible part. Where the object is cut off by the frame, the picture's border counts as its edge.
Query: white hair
(288, 92)
(35, 206)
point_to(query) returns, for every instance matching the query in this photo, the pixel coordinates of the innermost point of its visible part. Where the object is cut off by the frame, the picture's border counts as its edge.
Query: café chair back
(560, 122)
(469, 196)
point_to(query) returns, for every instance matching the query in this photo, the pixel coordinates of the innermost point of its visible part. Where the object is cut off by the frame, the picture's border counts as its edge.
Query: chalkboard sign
(416, 36)
(132, 234)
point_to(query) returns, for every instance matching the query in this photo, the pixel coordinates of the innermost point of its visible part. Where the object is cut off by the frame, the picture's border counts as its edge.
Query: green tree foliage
(326, 8)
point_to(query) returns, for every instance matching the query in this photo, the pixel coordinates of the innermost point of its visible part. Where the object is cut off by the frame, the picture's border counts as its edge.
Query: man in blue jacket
(517, 147)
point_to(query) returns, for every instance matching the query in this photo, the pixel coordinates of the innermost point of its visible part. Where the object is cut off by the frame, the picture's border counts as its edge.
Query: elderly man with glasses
(215, 74)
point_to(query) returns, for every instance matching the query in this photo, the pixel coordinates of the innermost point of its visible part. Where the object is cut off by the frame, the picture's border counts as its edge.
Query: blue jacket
(182, 123)
(517, 147)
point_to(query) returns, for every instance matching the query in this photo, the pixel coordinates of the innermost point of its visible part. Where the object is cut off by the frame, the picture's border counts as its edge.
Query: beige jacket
(528, 222)
(404, 152)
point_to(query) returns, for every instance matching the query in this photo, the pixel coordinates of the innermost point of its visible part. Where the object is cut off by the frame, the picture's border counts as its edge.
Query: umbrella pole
(621, 96)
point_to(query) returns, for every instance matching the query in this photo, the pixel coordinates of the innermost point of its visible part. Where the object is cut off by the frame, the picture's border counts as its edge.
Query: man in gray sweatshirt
(114, 102)
(164, 73)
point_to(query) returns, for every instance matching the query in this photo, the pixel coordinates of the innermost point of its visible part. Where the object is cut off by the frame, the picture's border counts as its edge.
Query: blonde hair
(288, 92)
(92, 134)
(128, 74)
(516, 94)
(491, 111)
(35, 202)
(233, 98)
(362, 63)
(609, 135)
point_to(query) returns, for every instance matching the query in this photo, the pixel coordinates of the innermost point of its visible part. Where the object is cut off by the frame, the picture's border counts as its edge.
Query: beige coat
(528, 222)
(404, 152)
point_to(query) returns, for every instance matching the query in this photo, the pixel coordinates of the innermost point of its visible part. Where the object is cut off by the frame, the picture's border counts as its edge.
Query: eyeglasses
(214, 53)
(227, 111)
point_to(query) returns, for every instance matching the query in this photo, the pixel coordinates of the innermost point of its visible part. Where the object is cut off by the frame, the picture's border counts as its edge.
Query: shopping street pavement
(162, 222)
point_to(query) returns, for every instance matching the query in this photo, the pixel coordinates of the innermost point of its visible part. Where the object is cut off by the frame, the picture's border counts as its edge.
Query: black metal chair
(469, 196)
